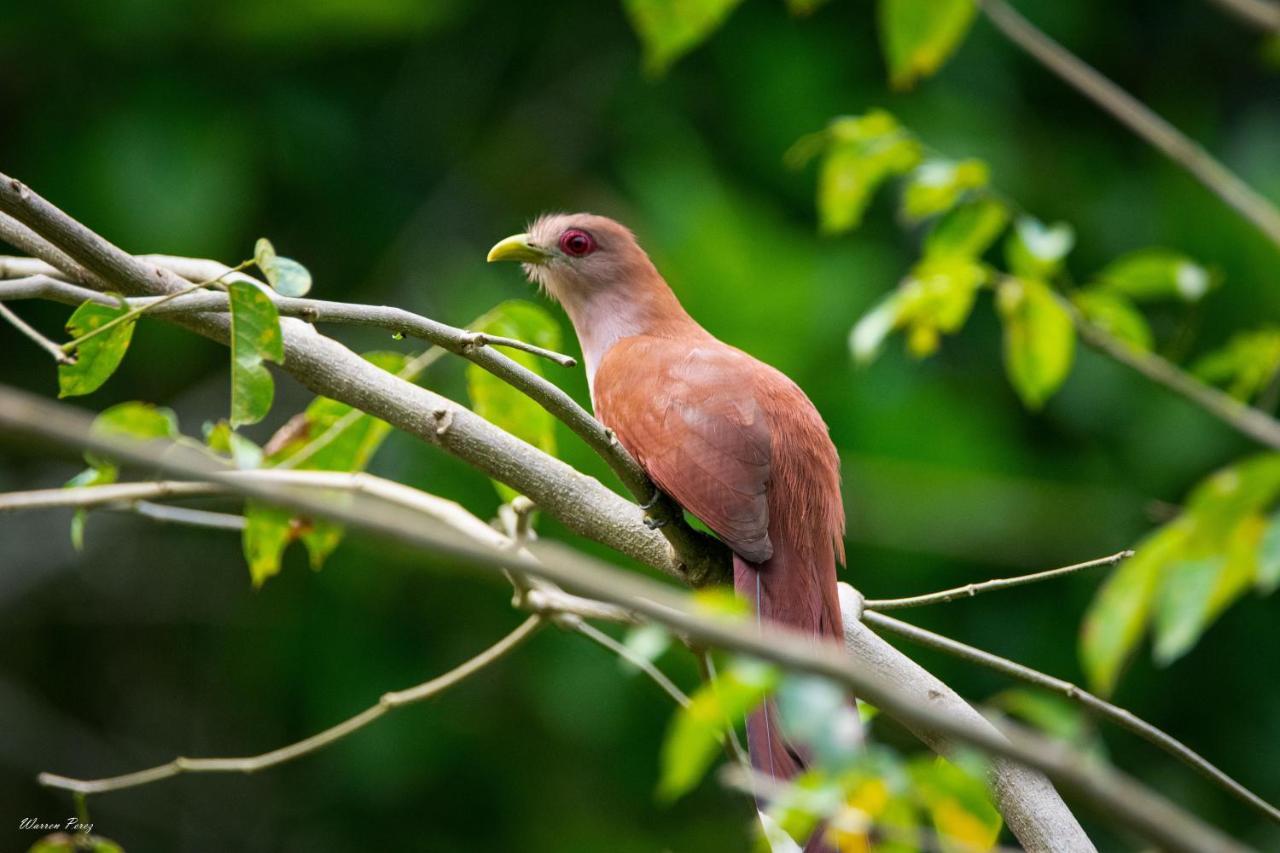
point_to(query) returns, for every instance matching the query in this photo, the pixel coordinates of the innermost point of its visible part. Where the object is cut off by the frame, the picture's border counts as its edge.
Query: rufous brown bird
(733, 440)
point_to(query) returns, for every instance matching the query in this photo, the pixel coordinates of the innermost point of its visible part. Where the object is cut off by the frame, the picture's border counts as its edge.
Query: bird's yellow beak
(518, 247)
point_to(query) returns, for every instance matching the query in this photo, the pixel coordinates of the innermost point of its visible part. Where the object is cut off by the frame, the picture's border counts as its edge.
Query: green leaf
(1269, 556)
(1035, 250)
(862, 152)
(221, 438)
(968, 230)
(1115, 315)
(918, 36)
(1054, 715)
(1155, 274)
(1246, 365)
(935, 186)
(1039, 339)
(495, 400)
(959, 803)
(285, 275)
(647, 642)
(697, 731)
(99, 356)
(668, 29)
(255, 338)
(66, 842)
(935, 299)
(328, 437)
(1117, 618)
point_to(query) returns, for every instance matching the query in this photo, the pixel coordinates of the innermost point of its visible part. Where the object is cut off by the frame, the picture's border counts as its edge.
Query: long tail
(799, 593)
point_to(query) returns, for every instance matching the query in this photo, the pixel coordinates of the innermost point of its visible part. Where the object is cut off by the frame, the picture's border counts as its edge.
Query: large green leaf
(918, 36)
(697, 731)
(255, 338)
(1115, 315)
(1154, 274)
(968, 230)
(1039, 339)
(329, 436)
(669, 29)
(495, 400)
(99, 356)
(1246, 365)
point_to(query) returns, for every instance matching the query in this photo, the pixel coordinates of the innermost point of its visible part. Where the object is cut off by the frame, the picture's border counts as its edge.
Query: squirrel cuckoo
(733, 440)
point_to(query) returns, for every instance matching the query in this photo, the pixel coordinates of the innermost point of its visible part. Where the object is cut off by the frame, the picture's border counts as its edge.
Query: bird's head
(577, 256)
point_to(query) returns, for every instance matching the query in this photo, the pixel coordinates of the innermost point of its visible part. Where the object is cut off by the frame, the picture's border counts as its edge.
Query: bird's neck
(604, 316)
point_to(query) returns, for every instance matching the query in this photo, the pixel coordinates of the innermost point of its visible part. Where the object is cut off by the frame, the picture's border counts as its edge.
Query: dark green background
(387, 144)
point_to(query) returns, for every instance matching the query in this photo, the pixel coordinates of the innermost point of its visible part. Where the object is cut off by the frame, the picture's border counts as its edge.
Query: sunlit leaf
(918, 36)
(719, 601)
(99, 356)
(853, 170)
(669, 29)
(495, 400)
(968, 230)
(959, 802)
(255, 338)
(935, 186)
(1247, 365)
(696, 732)
(1115, 315)
(1039, 339)
(1154, 274)
(285, 275)
(935, 299)
(1117, 618)
(1036, 250)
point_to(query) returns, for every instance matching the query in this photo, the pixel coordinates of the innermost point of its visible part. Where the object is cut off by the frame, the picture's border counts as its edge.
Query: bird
(733, 440)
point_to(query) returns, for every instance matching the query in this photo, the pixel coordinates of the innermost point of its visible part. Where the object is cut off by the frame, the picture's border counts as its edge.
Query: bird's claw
(653, 501)
(654, 523)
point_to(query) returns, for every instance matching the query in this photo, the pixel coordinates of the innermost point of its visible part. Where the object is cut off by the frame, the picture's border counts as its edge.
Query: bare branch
(1125, 719)
(1118, 796)
(252, 764)
(40, 340)
(184, 515)
(970, 590)
(1138, 117)
(1263, 14)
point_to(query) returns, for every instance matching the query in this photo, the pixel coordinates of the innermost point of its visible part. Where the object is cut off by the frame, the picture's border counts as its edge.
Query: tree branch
(1115, 794)
(1263, 14)
(643, 664)
(970, 590)
(40, 340)
(1139, 118)
(252, 764)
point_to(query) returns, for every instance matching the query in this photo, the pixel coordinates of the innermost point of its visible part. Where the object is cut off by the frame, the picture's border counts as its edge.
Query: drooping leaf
(327, 438)
(697, 731)
(959, 803)
(1117, 618)
(968, 230)
(668, 29)
(255, 338)
(495, 400)
(99, 356)
(285, 275)
(859, 154)
(935, 186)
(1115, 315)
(1039, 339)
(918, 36)
(1154, 274)
(1246, 365)
(1036, 250)
(935, 299)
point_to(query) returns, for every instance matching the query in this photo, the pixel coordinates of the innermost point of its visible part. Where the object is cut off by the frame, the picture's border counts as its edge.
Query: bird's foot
(654, 523)
(653, 501)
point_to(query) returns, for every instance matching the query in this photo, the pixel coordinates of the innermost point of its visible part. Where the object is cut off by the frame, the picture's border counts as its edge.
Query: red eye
(577, 243)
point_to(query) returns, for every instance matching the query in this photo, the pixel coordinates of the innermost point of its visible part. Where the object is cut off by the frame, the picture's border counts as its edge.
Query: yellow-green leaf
(1246, 365)
(255, 338)
(855, 165)
(959, 803)
(1036, 250)
(697, 731)
(67, 842)
(1039, 339)
(935, 186)
(99, 356)
(918, 36)
(669, 29)
(495, 400)
(285, 275)
(1115, 315)
(1154, 274)
(968, 230)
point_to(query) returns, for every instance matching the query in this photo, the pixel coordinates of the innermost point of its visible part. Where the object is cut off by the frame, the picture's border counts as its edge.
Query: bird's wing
(690, 416)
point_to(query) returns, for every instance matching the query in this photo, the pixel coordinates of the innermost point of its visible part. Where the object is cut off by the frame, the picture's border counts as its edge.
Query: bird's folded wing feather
(691, 418)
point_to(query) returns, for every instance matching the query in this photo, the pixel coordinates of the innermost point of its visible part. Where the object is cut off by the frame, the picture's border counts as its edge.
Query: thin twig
(1263, 14)
(252, 764)
(185, 515)
(638, 661)
(40, 340)
(970, 590)
(1139, 118)
(1125, 719)
(481, 339)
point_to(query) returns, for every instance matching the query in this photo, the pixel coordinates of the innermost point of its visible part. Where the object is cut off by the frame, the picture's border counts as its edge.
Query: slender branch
(1263, 14)
(970, 590)
(184, 515)
(88, 497)
(638, 661)
(1125, 719)
(387, 702)
(1139, 118)
(39, 339)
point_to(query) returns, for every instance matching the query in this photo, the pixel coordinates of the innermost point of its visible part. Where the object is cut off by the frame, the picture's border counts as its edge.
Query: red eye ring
(575, 242)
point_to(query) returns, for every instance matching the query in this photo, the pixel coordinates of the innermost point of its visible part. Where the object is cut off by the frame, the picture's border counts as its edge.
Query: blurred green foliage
(386, 144)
